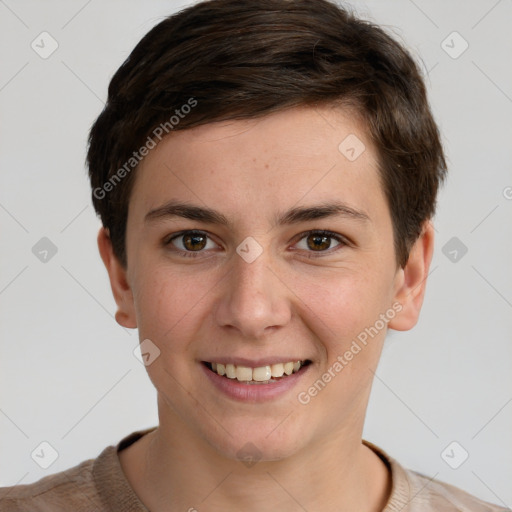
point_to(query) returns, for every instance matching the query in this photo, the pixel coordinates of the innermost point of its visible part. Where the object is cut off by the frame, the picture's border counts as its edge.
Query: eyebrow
(289, 217)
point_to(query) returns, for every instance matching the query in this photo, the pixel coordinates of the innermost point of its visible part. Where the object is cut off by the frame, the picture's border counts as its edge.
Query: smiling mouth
(260, 375)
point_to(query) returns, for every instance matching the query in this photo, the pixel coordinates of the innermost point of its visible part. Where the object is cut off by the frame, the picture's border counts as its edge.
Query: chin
(257, 444)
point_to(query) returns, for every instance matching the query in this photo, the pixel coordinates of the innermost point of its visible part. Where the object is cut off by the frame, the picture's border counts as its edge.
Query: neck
(171, 469)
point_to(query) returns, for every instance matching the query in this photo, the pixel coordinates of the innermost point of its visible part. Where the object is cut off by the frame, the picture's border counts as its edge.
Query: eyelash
(321, 232)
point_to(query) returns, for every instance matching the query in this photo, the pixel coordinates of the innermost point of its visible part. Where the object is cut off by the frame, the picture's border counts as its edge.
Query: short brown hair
(240, 59)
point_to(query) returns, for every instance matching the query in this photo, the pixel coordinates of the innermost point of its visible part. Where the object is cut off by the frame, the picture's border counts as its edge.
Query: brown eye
(320, 242)
(194, 242)
(189, 243)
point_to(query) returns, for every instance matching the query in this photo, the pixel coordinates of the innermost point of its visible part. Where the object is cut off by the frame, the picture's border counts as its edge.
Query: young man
(266, 172)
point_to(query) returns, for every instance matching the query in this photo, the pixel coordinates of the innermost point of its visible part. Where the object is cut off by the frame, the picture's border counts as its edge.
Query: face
(255, 243)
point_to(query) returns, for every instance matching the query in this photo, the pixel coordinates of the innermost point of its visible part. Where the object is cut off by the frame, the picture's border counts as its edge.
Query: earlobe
(121, 289)
(412, 280)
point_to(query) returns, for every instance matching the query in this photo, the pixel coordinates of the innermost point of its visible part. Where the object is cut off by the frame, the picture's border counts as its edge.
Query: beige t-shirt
(99, 484)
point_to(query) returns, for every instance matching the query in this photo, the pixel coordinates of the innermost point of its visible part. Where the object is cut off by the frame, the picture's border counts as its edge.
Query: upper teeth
(260, 374)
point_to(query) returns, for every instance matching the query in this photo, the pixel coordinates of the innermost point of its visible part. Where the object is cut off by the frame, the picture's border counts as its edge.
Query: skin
(281, 304)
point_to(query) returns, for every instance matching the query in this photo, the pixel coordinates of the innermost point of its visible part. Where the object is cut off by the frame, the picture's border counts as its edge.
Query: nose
(253, 298)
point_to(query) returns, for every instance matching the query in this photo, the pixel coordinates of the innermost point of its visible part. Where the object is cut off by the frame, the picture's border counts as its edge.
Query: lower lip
(238, 390)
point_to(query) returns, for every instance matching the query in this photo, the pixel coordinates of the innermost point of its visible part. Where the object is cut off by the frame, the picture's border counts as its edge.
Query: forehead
(297, 156)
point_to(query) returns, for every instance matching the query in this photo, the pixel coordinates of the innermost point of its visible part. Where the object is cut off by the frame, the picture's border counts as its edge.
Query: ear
(411, 280)
(121, 290)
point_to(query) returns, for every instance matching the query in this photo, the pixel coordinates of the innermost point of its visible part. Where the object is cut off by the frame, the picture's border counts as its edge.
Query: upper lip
(254, 363)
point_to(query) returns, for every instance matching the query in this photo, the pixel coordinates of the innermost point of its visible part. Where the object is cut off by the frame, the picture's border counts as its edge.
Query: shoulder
(93, 485)
(439, 496)
(412, 491)
(72, 489)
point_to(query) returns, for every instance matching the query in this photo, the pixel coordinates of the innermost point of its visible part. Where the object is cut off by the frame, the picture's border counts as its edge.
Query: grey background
(68, 375)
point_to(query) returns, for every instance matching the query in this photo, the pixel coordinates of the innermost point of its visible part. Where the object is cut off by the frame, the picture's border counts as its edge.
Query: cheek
(339, 306)
(167, 304)
(338, 312)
